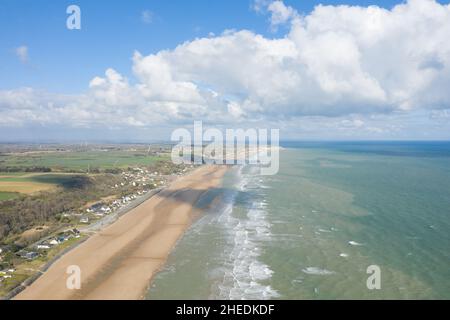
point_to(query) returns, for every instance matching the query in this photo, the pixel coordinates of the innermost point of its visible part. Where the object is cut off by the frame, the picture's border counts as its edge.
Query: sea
(318, 228)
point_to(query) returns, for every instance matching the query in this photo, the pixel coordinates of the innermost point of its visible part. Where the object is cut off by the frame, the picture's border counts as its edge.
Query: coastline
(119, 261)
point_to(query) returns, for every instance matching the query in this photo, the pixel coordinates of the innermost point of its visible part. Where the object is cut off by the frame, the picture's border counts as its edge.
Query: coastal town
(26, 255)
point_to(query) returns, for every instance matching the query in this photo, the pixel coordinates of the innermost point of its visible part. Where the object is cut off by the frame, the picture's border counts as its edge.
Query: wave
(317, 271)
(244, 275)
(354, 243)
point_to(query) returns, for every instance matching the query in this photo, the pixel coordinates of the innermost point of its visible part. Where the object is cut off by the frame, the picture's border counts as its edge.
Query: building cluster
(137, 181)
(140, 177)
(100, 209)
(134, 183)
(33, 251)
(6, 274)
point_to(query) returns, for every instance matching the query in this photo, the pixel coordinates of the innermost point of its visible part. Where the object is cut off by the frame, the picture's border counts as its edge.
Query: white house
(105, 209)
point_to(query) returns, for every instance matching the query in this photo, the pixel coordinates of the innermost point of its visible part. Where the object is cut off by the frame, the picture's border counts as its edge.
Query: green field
(61, 163)
(80, 160)
(49, 178)
(8, 195)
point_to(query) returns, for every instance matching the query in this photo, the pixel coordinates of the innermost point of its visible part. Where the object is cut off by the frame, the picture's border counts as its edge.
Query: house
(105, 209)
(31, 255)
(96, 207)
(84, 220)
(53, 242)
(43, 246)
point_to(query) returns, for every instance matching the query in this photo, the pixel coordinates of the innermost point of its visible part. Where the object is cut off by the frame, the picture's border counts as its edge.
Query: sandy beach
(119, 261)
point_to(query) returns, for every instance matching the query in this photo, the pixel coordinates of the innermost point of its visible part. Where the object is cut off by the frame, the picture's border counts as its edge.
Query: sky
(136, 70)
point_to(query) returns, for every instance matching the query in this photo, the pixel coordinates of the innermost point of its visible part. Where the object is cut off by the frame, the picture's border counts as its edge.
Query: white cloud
(260, 6)
(336, 61)
(147, 16)
(280, 13)
(22, 53)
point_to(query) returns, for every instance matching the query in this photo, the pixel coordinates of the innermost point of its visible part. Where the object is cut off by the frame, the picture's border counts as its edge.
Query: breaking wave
(244, 275)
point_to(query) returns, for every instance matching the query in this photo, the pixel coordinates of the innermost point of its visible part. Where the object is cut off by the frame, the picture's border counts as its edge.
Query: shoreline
(89, 229)
(119, 261)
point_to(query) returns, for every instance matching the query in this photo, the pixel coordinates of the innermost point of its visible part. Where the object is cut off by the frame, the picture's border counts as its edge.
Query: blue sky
(64, 61)
(111, 31)
(55, 71)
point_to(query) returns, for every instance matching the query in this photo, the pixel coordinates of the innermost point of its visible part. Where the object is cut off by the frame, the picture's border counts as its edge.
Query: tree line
(20, 214)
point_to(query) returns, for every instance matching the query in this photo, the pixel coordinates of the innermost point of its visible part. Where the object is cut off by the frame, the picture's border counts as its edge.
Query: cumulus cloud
(22, 53)
(334, 62)
(280, 13)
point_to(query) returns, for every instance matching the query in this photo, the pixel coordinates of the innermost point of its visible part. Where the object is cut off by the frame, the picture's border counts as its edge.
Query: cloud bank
(336, 61)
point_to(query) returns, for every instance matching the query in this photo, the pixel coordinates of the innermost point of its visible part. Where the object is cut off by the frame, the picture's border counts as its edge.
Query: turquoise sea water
(311, 231)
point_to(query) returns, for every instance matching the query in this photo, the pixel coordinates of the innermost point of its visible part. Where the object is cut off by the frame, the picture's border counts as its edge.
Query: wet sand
(119, 261)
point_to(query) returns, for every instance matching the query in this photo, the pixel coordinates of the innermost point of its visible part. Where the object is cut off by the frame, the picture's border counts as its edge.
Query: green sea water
(312, 230)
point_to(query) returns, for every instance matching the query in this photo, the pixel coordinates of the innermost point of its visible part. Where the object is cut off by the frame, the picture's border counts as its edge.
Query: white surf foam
(317, 271)
(244, 275)
(354, 243)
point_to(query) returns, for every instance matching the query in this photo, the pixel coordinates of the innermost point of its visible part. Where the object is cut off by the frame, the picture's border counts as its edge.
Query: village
(136, 185)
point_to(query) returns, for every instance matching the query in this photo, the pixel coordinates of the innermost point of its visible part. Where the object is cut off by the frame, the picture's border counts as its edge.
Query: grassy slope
(8, 195)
